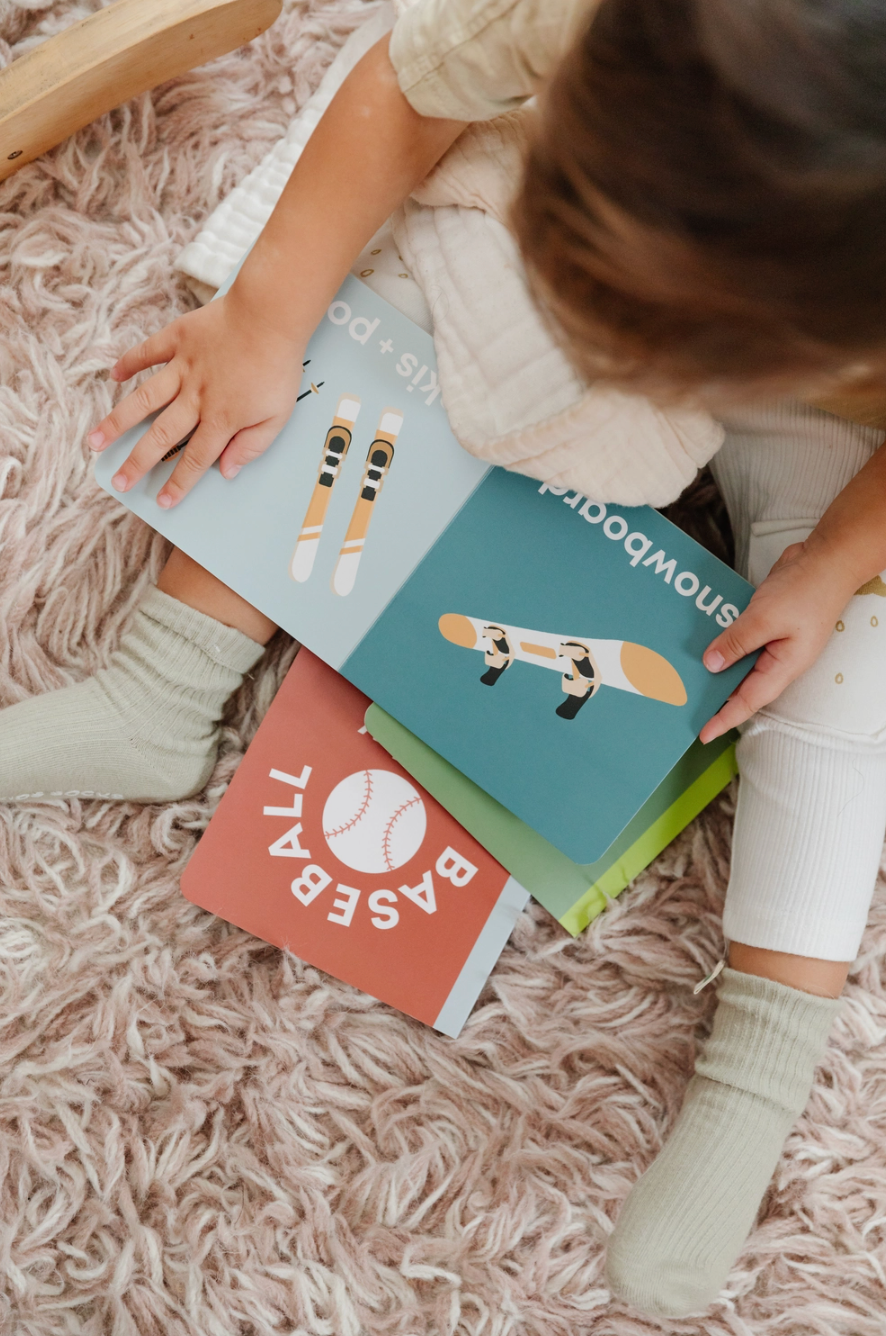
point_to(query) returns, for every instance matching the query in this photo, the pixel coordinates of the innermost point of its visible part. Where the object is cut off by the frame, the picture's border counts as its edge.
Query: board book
(325, 846)
(574, 893)
(547, 645)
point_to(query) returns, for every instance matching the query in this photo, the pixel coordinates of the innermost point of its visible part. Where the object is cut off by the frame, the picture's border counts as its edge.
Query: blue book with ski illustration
(547, 645)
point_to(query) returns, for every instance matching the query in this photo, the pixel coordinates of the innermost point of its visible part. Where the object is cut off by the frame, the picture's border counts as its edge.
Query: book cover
(325, 846)
(574, 893)
(546, 645)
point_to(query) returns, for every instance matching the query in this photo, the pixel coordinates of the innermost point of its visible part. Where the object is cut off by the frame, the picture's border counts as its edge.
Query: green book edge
(651, 843)
(573, 893)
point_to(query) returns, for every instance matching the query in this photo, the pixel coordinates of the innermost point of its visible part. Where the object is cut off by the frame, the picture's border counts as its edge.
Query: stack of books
(500, 694)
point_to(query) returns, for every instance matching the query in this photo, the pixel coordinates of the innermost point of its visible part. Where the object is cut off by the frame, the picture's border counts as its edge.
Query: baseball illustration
(374, 821)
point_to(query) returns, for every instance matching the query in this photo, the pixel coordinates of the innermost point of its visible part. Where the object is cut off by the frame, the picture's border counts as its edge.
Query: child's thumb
(247, 445)
(741, 638)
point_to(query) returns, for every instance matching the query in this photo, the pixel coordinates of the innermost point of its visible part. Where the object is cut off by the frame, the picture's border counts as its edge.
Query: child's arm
(232, 368)
(796, 607)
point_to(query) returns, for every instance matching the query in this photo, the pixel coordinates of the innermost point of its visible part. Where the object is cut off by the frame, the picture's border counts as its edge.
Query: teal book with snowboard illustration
(548, 646)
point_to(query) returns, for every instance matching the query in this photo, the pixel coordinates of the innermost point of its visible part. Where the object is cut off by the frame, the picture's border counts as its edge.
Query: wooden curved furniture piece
(115, 54)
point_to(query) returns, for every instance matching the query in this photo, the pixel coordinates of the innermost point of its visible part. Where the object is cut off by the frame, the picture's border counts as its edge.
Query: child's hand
(793, 614)
(233, 369)
(228, 379)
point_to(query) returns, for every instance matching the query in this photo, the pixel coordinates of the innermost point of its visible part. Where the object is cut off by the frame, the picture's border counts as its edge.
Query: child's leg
(822, 978)
(794, 917)
(145, 727)
(183, 579)
(685, 1222)
(808, 837)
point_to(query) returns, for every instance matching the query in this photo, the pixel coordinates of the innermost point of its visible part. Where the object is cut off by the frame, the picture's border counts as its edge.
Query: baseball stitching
(386, 839)
(349, 825)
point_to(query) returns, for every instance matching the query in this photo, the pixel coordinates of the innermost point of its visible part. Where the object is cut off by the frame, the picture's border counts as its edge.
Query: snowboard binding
(499, 657)
(582, 683)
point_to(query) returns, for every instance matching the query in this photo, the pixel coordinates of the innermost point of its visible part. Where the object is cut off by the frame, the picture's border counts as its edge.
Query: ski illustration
(585, 664)
(335, 448)
(375, 470)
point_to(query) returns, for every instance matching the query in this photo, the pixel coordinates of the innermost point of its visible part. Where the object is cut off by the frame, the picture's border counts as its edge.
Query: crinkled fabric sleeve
(614, 447)
(470, 60)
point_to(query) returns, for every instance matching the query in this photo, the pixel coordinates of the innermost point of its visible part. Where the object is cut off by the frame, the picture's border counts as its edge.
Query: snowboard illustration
(376, 469)
(335, 448)
(586, 665)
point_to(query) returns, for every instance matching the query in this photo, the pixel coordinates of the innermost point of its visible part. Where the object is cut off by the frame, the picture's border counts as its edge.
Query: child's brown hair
(704, 203)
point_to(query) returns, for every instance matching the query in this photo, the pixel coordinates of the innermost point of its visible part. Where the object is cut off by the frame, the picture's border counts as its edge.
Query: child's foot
(145, 727)
(685, 1222)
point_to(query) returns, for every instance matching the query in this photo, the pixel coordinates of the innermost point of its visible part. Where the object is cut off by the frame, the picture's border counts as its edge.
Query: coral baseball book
(545, 644)
(325, 846)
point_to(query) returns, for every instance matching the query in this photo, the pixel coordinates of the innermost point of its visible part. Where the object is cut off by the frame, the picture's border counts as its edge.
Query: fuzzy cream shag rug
(199, 1134)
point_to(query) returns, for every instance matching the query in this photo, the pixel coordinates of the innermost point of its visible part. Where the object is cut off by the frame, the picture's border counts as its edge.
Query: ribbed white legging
(811, 812)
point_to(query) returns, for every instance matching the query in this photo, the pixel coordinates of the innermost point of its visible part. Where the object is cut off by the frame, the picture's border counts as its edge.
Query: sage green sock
(684, 1223)
(145, 727)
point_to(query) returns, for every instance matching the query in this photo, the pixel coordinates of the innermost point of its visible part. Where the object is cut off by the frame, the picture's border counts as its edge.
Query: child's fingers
(199, 454)
(766, 681)
(159, 390)
(160, 347)
(247, 445)
(748, 632)
(170, 427)
(721, 723)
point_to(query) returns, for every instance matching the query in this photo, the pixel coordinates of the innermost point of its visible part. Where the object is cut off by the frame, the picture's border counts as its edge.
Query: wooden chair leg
(113, 55)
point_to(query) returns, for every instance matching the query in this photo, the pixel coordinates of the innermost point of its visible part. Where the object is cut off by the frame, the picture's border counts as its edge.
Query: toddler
(703, 213)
